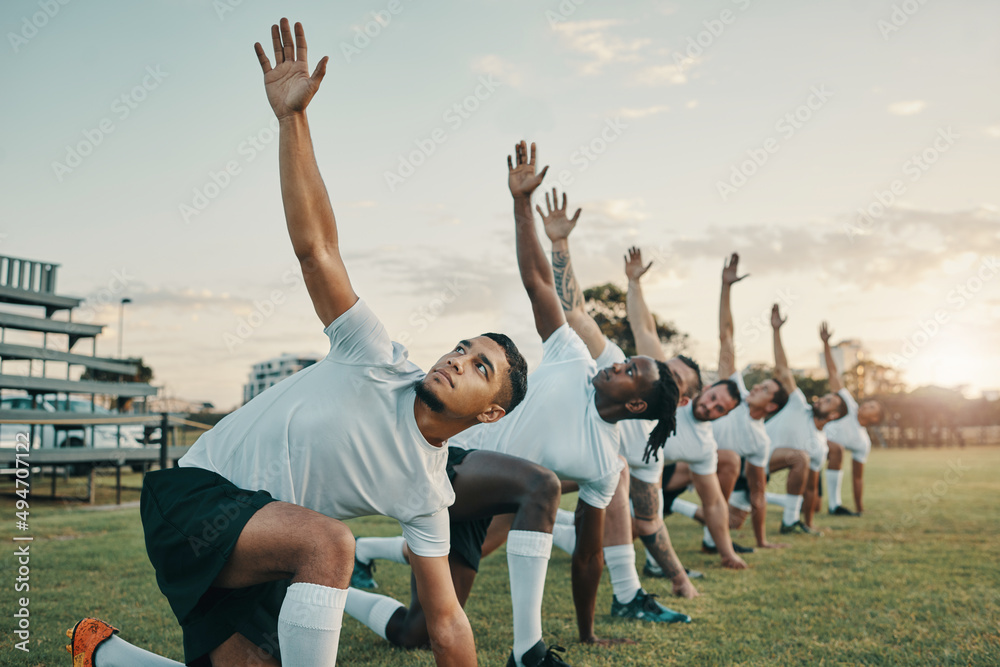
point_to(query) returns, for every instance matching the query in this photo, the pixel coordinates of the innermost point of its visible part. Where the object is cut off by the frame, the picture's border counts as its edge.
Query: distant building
(847, 354)
(271, 372)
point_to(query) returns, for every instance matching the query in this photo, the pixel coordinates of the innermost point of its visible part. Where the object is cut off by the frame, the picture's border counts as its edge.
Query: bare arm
(647, 342)
(309, 216)
(558, 227)
(447, 624)
(782, 372)
(727, 349)
(536, 274)
(588, 564)
(831, 366)
(717, 518)
(757, 481)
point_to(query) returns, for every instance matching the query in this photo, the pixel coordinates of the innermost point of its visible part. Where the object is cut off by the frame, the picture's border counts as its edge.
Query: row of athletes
(366, 432)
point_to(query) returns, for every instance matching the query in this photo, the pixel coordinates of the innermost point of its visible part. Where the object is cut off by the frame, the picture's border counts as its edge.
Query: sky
(848, 151)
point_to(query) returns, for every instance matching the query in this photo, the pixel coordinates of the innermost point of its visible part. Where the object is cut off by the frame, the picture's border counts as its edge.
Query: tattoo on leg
(659, 546)
(645, 503)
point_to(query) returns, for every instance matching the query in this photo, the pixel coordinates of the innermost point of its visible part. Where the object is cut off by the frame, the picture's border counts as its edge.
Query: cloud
(658, 75)
(993, 131)
(907, 108)
(626, 112)
(494, 65)
(592, 39)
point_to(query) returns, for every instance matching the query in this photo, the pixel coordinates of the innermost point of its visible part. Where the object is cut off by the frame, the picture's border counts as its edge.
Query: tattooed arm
(653, 533)
(558, 228)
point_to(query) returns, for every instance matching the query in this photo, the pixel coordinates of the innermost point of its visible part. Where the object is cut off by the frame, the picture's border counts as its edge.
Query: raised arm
(831, 366)
(536, 274)
(727, 349)
(311, 225)
(640, 320)
(782, 373)
(558, 228)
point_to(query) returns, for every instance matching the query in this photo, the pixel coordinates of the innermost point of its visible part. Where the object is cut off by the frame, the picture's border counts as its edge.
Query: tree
(606, 304)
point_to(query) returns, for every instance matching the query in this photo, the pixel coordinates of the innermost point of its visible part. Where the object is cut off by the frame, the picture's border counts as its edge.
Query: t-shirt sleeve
(358, 337)
(563, 345)
(708, 463)
(852, 405)
(737, 377)
(798, 398)
(599, 492)
(429, 536)
(612, 354)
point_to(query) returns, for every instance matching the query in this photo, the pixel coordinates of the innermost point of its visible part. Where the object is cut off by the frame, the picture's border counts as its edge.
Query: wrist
(292, 119)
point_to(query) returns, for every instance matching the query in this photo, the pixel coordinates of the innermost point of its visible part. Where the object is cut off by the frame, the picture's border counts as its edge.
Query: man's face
(467, 380)
(713, 403)
(827, 406)
(627, 381)
(869, 413)
(762, 394)
(684, 376)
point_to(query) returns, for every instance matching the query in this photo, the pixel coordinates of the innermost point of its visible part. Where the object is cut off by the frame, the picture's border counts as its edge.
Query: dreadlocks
(661, 406)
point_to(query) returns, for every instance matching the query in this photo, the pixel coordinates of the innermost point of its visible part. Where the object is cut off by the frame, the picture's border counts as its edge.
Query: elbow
(312, 253)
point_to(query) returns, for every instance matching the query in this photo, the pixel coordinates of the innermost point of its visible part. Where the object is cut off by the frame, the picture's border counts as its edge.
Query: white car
(49, 436)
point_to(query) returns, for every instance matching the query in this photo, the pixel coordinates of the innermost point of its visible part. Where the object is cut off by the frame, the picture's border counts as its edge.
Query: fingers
(300, 43)
(279, 53)
(542, 175)
(288, 45)
(265, 64)
(320, 70)
(548, 205)
(532, 152)
(539, 209)
(575, 215)
(510, 164)
(564, 201)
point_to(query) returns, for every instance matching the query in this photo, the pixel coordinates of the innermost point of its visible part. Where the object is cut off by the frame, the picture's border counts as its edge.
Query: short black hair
(841, 410)
(780, 396)
(513, 391)
(661, 405)
(734, 389)
(692, 392)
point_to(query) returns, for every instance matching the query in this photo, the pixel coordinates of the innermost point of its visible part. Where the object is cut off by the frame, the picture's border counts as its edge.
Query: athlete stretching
(359, 433)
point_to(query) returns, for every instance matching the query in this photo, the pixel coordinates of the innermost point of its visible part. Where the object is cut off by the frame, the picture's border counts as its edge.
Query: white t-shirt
(340, 438)
(848, 432)
(793, 427)
(557, 425)
(741, 433)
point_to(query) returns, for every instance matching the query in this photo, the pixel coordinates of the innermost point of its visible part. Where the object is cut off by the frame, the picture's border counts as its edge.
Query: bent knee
(544, 487)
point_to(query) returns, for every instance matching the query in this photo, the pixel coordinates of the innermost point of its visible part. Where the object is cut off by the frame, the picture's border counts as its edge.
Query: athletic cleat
(654, 570)
(799, 527)
(843, 511)
(361, 577)
(540, 655)
(705, 548)
(644, 607)
(86, 636)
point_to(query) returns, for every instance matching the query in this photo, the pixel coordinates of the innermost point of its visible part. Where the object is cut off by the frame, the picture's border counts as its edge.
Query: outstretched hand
(633, 265)
(522, 178)
(776, 319)
(288, 84)
(557, 225)
(825, 333)
(730, 270)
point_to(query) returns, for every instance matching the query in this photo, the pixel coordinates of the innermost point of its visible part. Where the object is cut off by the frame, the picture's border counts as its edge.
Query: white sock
(834, 479)
(564, 537)
(620, 560)
(309, 625)
(116, 652)
(527, 560)
(708, 538)
(372, 610)
(793, 508)
(684, 507)
(368, 549)
(779, 499)
(565, 517)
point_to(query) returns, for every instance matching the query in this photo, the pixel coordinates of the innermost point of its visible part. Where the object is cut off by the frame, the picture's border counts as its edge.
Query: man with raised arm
(246, 535)
(741, 435)
(799, 426)
(850, 433)
(568, 422)
(689, 457)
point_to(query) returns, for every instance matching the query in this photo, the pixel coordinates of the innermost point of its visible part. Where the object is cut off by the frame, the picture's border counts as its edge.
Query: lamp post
(121, 324)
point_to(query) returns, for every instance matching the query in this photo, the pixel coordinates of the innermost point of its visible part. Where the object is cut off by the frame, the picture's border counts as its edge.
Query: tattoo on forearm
(663, 553)
(566, 285)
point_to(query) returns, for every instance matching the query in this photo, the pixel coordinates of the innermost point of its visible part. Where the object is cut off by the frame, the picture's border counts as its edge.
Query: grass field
(916, 581)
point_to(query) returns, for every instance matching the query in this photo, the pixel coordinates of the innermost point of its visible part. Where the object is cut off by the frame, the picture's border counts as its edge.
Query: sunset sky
(689, 129)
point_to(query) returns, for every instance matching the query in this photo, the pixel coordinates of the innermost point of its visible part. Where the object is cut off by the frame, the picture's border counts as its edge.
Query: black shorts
(191, 519)
(467, 537)
(741, 481)
(670, 496)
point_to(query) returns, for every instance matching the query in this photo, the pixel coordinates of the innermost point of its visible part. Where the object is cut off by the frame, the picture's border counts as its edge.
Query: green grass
(915, 581)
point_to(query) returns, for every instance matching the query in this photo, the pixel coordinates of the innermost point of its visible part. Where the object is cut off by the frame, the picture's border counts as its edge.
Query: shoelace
(551, 657)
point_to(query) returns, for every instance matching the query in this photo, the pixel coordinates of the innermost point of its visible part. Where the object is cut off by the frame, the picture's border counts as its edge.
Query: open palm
(288, 85)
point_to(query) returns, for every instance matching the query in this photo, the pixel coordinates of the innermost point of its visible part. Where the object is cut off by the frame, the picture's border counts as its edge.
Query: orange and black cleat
(86, 636)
